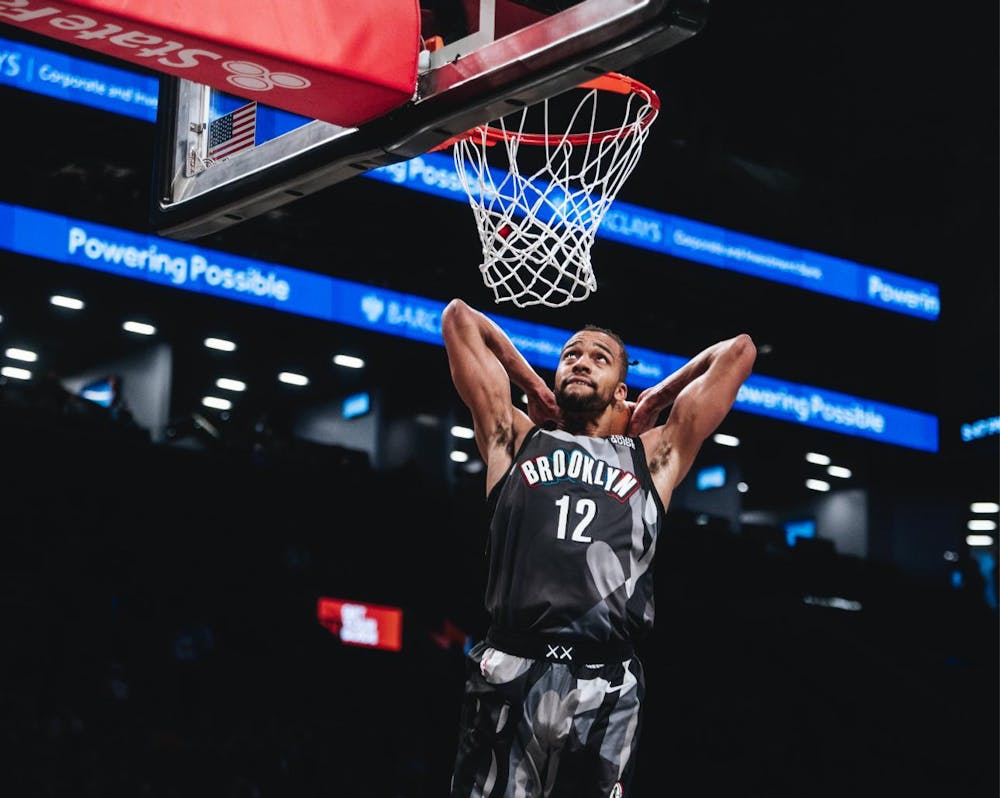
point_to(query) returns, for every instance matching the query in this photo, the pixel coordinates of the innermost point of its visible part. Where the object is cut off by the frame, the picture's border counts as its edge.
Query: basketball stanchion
(538, 219)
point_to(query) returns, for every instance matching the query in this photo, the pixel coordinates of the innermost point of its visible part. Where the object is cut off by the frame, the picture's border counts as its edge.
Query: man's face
(588, 373)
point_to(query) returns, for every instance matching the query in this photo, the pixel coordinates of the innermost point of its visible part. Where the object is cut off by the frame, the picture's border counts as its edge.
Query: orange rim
(612, 81)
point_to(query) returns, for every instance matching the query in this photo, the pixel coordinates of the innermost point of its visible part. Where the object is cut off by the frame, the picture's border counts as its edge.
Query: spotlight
(349, 361)
(290, 378)
(24, 355)
(15, 373)
(68, 302)
(982, 525)
(220, 344)
(217, 403)
(139, 328)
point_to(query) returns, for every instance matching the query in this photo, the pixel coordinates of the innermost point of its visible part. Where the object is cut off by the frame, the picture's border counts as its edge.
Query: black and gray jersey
(573, 529)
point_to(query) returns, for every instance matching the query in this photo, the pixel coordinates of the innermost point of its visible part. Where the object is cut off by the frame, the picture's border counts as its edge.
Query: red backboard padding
(342, 61)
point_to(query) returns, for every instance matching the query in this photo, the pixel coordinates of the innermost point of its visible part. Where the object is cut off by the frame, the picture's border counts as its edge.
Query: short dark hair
(623, 366)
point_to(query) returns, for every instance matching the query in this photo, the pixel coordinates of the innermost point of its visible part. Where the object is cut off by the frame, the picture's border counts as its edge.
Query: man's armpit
(503, 435)
(660, 456)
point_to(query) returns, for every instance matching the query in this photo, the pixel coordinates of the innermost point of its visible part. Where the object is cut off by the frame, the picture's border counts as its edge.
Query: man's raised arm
(483, 364)
(702, 393)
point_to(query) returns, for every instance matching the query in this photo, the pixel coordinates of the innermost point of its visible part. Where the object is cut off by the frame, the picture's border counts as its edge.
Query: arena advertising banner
(121, 91)
(981, 428)
(434, 173)
(366, 625)
(187, 267)
(78, 80)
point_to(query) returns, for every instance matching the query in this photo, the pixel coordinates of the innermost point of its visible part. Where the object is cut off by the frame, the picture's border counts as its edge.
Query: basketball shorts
(532, 728)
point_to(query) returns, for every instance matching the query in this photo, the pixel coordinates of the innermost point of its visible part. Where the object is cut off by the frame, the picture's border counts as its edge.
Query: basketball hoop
(537, 222)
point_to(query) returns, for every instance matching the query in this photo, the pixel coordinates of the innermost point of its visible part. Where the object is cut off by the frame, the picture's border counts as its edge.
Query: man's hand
(645, 412)
(543, 408)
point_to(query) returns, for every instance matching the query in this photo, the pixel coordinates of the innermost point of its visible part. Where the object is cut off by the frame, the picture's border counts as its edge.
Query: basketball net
(537, 227)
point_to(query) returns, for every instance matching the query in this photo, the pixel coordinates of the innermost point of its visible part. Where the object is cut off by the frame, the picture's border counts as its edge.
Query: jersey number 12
(585, 507)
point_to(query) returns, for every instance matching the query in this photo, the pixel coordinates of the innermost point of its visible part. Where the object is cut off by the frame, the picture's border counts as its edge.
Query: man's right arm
(483, 364)
(702, 393)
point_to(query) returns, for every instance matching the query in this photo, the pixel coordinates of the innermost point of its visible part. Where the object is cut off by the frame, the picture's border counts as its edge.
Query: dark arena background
(164, 559)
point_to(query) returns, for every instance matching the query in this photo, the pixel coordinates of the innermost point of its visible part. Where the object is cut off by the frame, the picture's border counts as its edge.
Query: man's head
(624, 360)
(591, 372)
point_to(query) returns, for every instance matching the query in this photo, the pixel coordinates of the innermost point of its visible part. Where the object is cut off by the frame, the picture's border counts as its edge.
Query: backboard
(477, 60)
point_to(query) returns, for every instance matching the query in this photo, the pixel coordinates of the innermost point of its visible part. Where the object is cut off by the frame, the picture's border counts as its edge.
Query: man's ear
(621, 392)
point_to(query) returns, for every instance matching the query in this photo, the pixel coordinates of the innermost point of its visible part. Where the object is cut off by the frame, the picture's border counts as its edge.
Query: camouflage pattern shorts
(533, 728)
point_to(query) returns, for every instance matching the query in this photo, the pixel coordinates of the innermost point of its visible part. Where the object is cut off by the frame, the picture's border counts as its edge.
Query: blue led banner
(711, 477)
(356, 405)
(838, 412)
(434, 173)
(121, 91)
(178, 265)
(983, 428)
(799, 529)
(78, 80)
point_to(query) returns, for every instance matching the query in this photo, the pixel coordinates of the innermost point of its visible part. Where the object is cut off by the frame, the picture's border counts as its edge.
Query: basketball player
(577, 489)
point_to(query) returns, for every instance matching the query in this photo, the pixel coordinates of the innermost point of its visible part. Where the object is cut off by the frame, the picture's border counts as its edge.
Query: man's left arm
(702, 393)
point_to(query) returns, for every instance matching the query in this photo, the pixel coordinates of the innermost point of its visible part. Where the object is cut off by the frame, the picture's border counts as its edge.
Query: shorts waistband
(559, 649)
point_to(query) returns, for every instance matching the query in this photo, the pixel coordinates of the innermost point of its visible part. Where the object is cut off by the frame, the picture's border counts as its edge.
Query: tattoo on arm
(660, 458)
(504, 436)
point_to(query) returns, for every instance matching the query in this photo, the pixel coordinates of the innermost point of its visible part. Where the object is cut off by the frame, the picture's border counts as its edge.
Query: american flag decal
(232, 132)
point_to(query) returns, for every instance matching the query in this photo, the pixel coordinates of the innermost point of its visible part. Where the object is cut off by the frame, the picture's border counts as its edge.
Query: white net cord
(537, 229)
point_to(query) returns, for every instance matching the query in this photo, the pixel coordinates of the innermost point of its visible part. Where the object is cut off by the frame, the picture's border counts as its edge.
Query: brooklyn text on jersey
(577, 466)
